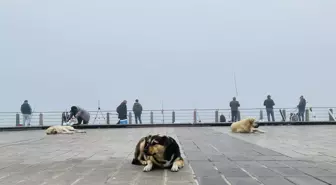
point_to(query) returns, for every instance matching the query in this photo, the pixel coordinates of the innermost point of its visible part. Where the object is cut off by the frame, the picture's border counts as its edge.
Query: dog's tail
(136, 162)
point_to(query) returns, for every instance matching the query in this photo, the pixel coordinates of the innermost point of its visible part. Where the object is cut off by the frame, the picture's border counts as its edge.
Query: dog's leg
(66, 131)
(143, 162)
(178, 164)
(79, 131)
(260, 131)
(254, 130)
(149, 165)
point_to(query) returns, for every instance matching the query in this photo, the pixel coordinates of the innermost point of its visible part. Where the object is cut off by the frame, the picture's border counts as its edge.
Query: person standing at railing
(122, 111)
(81, 115)
(137, 110)
(234, 104)
(26, 111)
(269, 103)
(302, 108)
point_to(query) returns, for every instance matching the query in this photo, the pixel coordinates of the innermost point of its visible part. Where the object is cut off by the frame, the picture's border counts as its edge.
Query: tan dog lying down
(248, 125)
(60, 129)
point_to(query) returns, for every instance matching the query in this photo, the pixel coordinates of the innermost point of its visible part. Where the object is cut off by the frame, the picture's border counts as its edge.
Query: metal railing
(10, 119)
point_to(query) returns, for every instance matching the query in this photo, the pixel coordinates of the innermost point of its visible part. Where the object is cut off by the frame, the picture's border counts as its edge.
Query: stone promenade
(285, 155)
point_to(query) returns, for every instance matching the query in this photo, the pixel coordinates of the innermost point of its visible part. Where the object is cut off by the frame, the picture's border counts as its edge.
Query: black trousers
(234, 115)
(80, 120)
(137, 117)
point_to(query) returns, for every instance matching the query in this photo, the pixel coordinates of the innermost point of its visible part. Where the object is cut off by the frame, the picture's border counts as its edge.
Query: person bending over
(81, 115)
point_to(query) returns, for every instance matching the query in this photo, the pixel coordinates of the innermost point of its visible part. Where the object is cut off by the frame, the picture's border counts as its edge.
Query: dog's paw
(144, 162)
(148, 168)
(175, 168)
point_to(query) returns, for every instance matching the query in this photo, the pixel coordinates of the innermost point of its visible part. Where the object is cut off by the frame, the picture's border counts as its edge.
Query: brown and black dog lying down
(158, 151)
(248, 125)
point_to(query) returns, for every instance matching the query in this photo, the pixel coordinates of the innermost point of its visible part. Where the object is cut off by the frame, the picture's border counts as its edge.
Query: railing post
(195, 116)
(238, 115)
(108, 118)
(41, 119)
(173, 117)
(331, 116)
(307, 115)
(284, 114)
(130, 118)
(17, 119)
(216, 116)
(151, 117)
(261, 115)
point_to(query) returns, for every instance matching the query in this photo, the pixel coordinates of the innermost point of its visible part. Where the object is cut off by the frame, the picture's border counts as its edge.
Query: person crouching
(81, 115)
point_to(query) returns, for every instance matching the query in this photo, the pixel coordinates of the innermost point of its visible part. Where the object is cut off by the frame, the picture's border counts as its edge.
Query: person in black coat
(122, 111)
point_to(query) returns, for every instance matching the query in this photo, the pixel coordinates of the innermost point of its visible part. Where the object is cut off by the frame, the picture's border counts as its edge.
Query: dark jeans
(234, 115)
(270, 112)
(80, 120)
(137, 117)
(301, 115)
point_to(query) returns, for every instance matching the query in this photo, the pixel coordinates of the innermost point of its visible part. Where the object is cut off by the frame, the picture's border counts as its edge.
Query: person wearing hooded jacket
(79, 113)
(122, 111)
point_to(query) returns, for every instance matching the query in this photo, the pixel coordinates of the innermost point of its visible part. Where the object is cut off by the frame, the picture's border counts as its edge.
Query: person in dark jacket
(269, 103)
(302, 108)
(137, 110)
(26, 112)
(234, 104)
(122, 111)
(81, 115)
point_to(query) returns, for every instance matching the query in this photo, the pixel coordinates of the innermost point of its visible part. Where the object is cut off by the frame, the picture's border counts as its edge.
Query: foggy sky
(61, 53)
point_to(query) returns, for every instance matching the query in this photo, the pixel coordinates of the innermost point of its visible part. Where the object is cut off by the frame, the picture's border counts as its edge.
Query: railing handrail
(189, 109)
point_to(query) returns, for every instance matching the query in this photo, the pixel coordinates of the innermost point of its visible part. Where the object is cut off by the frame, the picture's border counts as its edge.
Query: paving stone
(179, 176)
(104, 157)
(275, 181)
(271, 164)
(218, 158)
(297, 164)
(287, 171)
(233, 172)
(213, 180)
(330, 180)
(305, 180)
(181, 183)
(316, 172)
(249, 164)
(242, 181)
(261, 172)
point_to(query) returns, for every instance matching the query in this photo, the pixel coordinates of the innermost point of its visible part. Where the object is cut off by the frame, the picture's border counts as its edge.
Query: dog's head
(253, 122)
(156, 144)
(52, 131)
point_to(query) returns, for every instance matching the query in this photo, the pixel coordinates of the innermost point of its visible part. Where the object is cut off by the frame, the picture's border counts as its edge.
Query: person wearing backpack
(137, 109)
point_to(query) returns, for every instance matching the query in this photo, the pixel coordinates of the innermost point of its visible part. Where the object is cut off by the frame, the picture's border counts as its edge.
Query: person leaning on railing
(81, 115)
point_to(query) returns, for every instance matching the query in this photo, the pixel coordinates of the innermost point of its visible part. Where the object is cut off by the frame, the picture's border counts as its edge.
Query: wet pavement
(285, 155)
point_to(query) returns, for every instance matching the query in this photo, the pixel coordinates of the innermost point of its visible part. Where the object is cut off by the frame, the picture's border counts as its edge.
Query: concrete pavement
(285, 155)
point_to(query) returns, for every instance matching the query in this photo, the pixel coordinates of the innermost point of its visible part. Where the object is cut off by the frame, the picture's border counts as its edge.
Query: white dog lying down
(60, 129)
(248, 125)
